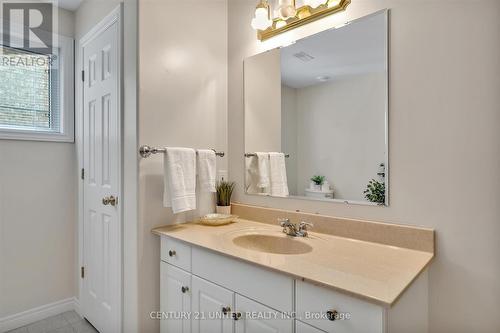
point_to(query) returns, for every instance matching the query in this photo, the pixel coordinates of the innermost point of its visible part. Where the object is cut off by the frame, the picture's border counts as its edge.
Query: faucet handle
(283, 221)
(304, 225)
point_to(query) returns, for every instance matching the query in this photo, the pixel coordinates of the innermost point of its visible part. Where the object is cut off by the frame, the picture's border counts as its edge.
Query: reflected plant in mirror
(318, 180)
(322, 103)
(375, 192)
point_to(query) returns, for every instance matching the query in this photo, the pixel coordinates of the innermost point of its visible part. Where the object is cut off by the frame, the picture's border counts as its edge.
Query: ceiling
(359, 47)
(69, 4)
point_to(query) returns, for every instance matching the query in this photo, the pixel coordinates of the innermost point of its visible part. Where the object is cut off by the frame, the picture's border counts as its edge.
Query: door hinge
(83, 174)
(83, 75)
(82, 272)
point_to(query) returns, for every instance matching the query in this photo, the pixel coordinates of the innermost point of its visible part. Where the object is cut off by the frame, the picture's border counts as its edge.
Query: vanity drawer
(176, 253)
(262, 285)
(314, 302)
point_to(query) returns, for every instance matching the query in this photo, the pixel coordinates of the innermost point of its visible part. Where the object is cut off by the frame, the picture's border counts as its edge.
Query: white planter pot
(223, 210)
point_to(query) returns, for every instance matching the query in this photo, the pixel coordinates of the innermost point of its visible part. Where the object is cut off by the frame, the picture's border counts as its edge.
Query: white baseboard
(30, 316)
(76, 307)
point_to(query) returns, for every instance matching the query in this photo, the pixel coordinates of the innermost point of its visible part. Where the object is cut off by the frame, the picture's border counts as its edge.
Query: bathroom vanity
(251, 277)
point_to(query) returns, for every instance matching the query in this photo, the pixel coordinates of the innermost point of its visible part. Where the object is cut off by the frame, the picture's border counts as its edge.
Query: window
(36, 94)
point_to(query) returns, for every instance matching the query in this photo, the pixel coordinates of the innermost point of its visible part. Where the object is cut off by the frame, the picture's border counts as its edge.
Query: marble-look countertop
(375, 272)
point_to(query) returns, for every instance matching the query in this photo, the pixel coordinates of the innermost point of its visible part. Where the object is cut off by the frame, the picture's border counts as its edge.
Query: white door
(175, 299)
(253, 317)
(101, 284)
(212, 307)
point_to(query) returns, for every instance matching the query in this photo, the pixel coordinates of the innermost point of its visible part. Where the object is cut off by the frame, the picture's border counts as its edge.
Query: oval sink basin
(272, 244)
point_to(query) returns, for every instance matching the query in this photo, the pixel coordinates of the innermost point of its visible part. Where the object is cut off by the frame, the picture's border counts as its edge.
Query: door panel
(257, 318)
(174, 300)
(209, 304)
(101, 286)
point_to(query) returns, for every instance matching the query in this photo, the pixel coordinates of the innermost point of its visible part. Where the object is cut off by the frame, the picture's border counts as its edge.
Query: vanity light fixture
(273, 17)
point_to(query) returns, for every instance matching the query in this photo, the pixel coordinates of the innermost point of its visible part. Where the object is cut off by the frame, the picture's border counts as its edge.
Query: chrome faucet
(291, 229)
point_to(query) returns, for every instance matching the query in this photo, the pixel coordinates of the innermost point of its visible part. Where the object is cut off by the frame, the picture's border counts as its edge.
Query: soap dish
(217, 219)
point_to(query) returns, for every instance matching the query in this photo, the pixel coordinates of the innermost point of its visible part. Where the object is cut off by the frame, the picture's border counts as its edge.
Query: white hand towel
(206, 170)
(180, 179)
(263, 171)
(277, 166)
(251, 175)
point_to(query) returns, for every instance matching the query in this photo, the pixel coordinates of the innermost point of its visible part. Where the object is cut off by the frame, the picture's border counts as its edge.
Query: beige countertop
(372, 271)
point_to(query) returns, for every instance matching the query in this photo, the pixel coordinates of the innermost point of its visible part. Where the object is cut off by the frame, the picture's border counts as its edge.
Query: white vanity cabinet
(203, 291)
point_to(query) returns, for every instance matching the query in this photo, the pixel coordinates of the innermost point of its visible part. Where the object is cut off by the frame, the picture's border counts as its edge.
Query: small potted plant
(224, 192)
(317, 182)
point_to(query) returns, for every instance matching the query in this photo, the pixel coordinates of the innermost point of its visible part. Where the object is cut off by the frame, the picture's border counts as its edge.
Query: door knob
(111, 200)
(332, 315)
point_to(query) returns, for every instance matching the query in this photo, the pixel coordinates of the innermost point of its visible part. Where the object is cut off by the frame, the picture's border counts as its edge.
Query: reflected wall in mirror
(316, 116)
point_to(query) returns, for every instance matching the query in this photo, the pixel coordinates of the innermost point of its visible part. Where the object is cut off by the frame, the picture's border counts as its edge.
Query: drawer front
(300, 327)
(176, 253)
(354, 315)
(264, 286)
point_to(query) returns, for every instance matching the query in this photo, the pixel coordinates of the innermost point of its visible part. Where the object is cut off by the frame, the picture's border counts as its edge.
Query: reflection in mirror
(316, 116)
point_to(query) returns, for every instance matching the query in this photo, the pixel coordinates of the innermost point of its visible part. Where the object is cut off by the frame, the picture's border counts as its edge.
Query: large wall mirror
(316, 116)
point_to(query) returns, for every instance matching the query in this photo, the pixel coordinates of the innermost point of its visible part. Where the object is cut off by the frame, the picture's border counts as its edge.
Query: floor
(68, 322)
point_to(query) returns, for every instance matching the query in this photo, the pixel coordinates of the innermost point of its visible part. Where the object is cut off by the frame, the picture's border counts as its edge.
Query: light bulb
(261, 20)
(280, 24)
(333, 3)
(286, 9)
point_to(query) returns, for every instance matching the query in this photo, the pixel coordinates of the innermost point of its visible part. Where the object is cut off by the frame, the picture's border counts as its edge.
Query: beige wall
(263, 102)
(38, 183)
(183, 102)
(444, 143)
(341, 133)
(289, 135)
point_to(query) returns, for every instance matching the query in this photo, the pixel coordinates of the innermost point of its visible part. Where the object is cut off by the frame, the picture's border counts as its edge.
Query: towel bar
(253, 154)
(146, 151)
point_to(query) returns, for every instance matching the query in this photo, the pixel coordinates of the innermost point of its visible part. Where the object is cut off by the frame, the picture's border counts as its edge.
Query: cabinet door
(175, 299)
(212, 307)
(253, 317)
(300, 327)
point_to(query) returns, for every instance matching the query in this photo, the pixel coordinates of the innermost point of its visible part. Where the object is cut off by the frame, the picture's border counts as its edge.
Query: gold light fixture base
(304, 16)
